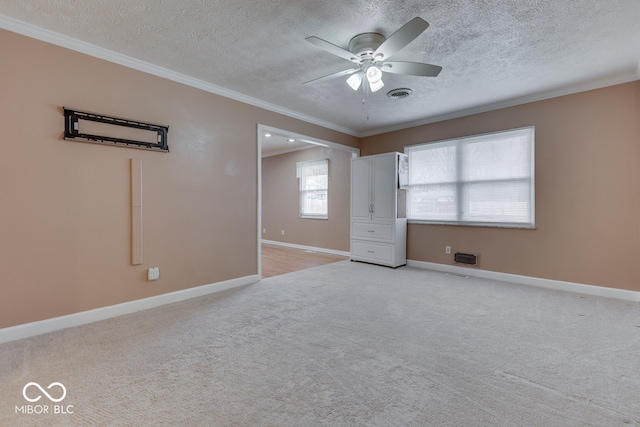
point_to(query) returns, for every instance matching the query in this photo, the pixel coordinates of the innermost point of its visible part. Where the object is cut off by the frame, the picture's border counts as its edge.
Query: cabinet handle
(371, 231)
(372, 252)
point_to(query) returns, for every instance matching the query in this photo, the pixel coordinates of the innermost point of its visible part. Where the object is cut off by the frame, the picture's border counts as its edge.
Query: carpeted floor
(346, 344)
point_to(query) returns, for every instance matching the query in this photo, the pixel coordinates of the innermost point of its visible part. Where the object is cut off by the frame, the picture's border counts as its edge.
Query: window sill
(314, 216)
(474, 224)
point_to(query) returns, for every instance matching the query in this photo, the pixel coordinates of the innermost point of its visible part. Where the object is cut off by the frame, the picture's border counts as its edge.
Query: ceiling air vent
(462, 258)
(399, 93)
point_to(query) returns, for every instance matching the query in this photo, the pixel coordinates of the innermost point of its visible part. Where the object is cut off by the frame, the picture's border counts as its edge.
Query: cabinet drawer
(372, 251)
(372, 231)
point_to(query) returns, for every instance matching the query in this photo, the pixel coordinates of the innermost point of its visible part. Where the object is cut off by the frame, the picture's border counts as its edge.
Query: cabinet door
(384, 187)
(361, 189)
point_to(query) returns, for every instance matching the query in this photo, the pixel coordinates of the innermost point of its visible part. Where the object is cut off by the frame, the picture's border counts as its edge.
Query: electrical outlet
(447, 250)
(264, 231)
(283, 232)
(153, 273)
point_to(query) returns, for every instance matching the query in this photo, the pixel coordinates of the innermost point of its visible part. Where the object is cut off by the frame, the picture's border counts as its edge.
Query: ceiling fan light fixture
(354, 81)
(376, 86)
(374, 76)
(368, 51)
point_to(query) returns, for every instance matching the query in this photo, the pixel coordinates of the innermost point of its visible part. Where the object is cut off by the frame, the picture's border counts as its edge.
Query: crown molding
(512, 102)
(61, 40)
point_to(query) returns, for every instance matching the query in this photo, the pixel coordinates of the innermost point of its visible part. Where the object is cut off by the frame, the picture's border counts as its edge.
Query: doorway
(279, 222)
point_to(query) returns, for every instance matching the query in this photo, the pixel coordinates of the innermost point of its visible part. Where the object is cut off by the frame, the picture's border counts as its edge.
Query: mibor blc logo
(54, 392)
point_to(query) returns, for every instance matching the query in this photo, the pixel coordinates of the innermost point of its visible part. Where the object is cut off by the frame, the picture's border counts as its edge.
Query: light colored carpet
(346, 344)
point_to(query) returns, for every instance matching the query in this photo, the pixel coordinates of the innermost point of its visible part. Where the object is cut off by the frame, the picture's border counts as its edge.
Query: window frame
(459, 183)
(302, 192)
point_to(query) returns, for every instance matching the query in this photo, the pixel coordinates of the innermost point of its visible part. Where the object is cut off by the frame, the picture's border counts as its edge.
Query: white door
(361, 189)
(384, 203)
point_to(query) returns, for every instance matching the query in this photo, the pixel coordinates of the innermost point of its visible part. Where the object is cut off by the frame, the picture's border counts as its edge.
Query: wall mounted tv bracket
(72, 130)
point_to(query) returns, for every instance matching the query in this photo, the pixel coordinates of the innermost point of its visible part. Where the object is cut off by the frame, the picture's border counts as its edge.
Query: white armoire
(378, 209)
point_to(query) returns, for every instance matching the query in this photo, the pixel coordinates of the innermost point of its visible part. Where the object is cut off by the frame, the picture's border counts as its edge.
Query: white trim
(558, 285)
(260, 131)
(307, 248)
(27, 330)
(527, 99)
(58, 39)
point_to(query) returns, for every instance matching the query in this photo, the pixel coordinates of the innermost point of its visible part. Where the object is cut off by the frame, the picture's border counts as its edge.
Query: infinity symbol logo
(64, 392)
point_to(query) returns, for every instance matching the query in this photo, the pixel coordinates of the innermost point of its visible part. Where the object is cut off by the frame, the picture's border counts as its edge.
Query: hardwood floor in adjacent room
(277, 260)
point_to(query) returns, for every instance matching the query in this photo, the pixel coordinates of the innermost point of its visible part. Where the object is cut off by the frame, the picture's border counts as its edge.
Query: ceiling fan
(370, 53)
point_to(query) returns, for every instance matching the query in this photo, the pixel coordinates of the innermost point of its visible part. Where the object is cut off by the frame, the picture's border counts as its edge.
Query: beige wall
(587, 190)
(64, 206)
(280, 200)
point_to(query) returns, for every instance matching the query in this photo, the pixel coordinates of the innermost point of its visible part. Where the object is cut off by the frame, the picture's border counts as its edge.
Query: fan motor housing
(363, 45)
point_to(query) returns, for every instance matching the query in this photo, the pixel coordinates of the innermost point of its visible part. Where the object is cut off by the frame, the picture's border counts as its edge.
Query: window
(314, 188)
(479, 180)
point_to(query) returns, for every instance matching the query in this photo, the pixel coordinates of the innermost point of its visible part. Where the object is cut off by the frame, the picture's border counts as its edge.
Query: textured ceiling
(493, 52)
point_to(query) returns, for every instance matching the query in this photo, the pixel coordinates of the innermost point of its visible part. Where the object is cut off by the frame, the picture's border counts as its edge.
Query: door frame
(261, 131)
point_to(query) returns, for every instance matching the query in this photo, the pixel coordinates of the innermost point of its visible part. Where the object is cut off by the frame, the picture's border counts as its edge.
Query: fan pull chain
(365, 96)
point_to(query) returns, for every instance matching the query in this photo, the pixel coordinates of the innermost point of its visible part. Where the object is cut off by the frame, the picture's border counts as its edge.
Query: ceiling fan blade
(334, 75)
(411, 68)
(332, 48)
(396, 41)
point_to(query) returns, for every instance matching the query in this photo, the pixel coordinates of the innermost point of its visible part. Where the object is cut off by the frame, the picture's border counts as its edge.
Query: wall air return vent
(468, 259)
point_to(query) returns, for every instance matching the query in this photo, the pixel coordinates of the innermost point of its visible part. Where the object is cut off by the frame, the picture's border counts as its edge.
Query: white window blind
(479, 180)
(314, 188)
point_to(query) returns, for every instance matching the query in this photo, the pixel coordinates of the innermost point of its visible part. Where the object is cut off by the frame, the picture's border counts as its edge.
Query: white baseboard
(600, 291)
(27, 330)
(307, 248)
